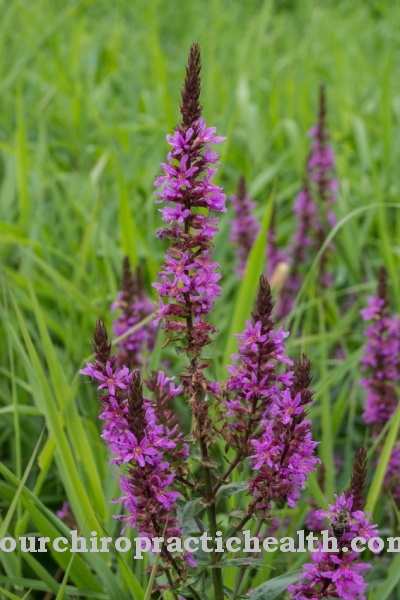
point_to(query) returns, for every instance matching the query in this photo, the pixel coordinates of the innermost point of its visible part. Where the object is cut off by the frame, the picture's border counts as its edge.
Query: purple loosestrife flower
(188, 282)
(164, 390)
(381, 358)
(381, 362)
(314, 214)
(313, 521)
(321, 162)
(135, 307)
(245, 226)
(268, 407)
(254, 376)
(137, 439)
(324, 186)
(286, 443)
(338, 574)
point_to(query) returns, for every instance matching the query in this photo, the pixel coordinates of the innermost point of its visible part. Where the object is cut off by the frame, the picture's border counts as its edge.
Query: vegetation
(89, 90)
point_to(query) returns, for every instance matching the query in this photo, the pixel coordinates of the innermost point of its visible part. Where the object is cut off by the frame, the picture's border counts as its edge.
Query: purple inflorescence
(245, 226)
(381, 362)
(314, 214)
(338, 574)
(137, 439)
(135, 307)
(284, 454)
(268, 409)
(188, 281)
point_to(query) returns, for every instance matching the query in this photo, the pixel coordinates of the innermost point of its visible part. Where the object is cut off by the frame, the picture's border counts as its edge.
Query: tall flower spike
(255, 373)
(187, 284)
(337, 574)
(381, 362)
(245, 226)
(381, 358)
(322, 161)
(284, 454)
(314, 212)
(137, 439)
(135, 306)
(320, 166)
(268, 405)
(190, 105)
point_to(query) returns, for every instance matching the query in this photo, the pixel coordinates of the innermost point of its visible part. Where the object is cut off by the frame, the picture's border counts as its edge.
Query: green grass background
(88, 92)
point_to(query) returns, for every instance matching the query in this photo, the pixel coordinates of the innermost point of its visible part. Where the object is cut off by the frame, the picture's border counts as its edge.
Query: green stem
(243, 569)
(212, 520)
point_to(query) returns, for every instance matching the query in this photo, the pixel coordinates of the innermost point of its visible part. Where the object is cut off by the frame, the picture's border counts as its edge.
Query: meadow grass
(88, 92)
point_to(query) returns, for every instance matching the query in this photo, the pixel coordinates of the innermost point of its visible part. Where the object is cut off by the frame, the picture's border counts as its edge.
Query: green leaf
(7, 519)
(240, 562)
(272, 588)
(192, 508)
(9, 594)
(230, 489)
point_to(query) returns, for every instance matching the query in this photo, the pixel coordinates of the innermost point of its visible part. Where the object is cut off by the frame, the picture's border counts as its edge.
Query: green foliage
(89, 90)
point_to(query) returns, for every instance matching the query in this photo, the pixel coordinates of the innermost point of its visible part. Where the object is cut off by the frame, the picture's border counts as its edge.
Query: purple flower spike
(255, 378)
(136, 437)
(268, 402)
(381, 362)
(245, 226)
(135, 306)
(314, 213)
(286, 443)
(381, 358)
(322, 161)
(337, 574)
(188, 282)
(187, 285)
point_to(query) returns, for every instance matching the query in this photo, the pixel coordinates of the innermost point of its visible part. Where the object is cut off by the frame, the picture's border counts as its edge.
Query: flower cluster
(381, 357)
(268, 407)
(135, 307)
(188, 279)
(136, 438)
(324, 186)
(337, 574)
(321, 162)
(313, 209)
(264, 401)
(245, 226)
(381, 362)
(163, 392)
(254, 380)
(283, 455)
